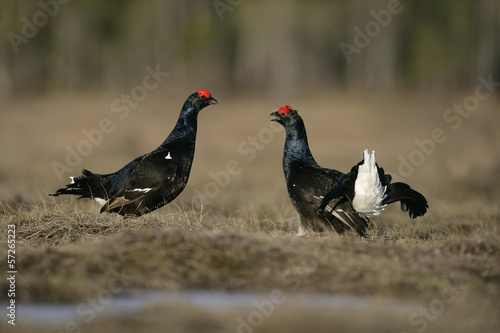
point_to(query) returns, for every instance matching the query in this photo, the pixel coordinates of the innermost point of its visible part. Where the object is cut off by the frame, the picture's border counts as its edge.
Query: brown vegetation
(243, 239)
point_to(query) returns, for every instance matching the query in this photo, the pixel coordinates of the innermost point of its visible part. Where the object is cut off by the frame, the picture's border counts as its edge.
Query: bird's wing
(342, 192)
(309, 182)
(312, 184)
(342, 210)
(152, 173)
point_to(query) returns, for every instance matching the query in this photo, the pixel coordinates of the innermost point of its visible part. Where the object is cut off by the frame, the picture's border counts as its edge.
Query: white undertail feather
(368, 191)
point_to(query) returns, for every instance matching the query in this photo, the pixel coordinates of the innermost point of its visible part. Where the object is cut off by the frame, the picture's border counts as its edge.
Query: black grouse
(326, 198)
(152, 180)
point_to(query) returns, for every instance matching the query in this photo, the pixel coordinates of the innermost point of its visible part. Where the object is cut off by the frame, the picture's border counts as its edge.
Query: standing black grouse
(152, 180)
(326, 198)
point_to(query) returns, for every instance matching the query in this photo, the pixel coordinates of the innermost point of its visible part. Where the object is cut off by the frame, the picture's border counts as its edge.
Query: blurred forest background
(280, 47)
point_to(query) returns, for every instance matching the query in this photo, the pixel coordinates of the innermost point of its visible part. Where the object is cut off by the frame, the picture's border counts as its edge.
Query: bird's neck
(185, 129)
(297, 150)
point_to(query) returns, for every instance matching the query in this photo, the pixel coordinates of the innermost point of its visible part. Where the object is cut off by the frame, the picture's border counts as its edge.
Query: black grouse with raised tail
(327, 198)
(152, 180)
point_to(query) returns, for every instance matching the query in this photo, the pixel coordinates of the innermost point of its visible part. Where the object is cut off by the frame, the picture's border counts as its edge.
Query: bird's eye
(202, 97)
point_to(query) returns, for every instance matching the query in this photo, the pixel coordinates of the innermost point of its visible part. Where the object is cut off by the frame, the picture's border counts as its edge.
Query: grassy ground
(70, 254)
(242, 237)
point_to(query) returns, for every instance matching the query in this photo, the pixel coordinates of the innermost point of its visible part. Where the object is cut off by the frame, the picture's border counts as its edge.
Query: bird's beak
(212, 101)
(278, 117)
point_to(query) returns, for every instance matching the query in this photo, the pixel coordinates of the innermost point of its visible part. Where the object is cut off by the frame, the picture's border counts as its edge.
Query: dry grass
(244, 238)
(191, 249)
(67, 253)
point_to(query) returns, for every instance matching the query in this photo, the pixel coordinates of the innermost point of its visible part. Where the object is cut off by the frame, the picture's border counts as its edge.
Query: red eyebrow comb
(285, 109)
(203, 92)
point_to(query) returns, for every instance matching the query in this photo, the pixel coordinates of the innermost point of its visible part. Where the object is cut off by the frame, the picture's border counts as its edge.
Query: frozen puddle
(46, 313)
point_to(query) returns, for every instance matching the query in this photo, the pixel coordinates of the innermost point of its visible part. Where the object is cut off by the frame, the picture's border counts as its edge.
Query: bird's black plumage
(152, 180)
(324, 197)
